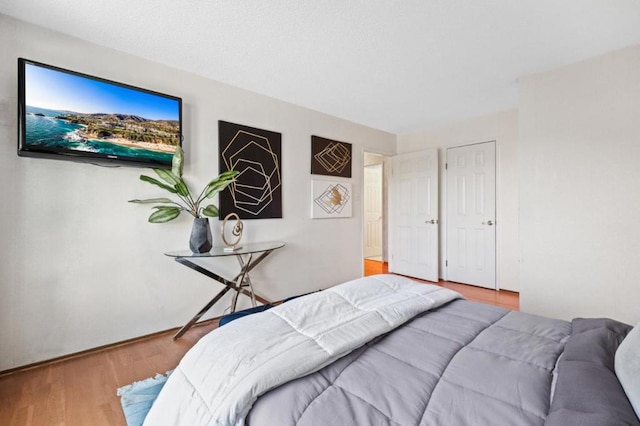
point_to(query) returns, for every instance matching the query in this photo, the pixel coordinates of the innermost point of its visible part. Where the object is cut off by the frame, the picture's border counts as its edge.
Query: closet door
(413, 215)
(471, 214)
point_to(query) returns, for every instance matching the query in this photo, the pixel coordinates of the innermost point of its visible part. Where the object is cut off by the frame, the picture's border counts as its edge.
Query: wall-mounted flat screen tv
(68, 115)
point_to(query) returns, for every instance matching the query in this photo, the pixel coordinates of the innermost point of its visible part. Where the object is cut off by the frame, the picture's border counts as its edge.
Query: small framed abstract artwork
(330, 158)
(330, 199)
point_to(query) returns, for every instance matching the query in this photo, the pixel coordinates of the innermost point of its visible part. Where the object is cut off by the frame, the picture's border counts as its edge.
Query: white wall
(80, 267)
(580, 203)
(503, 129)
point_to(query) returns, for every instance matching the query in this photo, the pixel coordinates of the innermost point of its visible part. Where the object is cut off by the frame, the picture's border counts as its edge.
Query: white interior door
(471, 214)
(373, 210)
(413, 215)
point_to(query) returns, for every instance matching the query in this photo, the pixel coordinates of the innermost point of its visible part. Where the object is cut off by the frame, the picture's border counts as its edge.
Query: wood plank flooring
(82, 391)
(506, 299)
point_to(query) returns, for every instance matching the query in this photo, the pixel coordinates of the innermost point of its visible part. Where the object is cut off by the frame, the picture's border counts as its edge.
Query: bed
(385, 350)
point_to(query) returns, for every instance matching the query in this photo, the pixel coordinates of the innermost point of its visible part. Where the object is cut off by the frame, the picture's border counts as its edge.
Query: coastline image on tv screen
(69, 115)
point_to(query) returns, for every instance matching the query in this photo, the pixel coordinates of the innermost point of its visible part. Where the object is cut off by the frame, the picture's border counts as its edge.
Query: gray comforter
(463, 364)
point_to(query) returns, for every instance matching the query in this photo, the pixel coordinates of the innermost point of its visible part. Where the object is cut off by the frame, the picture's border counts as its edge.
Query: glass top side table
(241, 283)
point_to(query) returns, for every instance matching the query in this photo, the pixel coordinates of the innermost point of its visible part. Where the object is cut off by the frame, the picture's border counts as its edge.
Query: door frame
(379, 168)
(385, 204)
(444, 205)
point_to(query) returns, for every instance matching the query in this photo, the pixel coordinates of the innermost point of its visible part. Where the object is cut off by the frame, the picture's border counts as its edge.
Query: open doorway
(375, 220)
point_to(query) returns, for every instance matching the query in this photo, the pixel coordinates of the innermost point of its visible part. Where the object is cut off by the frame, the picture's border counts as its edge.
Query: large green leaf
(168, 176)
(157, 182)
(220, 183)
(152, 201)
(164, 214)
(177, 182)
(210, 210)
(214, 187)
(182, 188)
(177, 163)
(228, 174)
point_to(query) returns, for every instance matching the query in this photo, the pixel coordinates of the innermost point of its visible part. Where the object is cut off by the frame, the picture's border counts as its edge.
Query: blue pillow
(225, 319)
(300, 295)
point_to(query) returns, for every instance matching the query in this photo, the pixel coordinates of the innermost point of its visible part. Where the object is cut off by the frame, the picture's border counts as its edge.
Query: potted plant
(168, 209)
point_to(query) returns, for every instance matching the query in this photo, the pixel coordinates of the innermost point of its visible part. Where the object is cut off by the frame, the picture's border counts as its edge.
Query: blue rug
(138, 397)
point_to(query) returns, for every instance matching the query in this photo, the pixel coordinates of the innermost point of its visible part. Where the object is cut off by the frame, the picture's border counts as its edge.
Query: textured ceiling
(395, 65)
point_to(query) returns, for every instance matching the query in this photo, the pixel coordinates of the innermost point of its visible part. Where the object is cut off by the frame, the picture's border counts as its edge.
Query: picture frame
(331, 199)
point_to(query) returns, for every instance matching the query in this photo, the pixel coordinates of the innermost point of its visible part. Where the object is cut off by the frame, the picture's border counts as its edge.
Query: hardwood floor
(82, 390)
(506, 299)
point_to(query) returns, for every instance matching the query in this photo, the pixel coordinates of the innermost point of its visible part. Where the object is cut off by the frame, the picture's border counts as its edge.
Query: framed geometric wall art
(330, 199)
(330, 158)
(256, 155)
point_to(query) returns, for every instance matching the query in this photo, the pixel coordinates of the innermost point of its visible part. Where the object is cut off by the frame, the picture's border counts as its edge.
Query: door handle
(432, 221)
(489, 222)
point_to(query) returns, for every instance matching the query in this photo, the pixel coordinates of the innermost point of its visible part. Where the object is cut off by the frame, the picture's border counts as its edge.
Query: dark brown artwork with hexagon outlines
(255, 153)
(330, 158)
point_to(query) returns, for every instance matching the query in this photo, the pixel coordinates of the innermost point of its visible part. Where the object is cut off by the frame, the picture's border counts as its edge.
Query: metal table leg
(239, 282)
(248, 281)
(195, 319)
(244, 274)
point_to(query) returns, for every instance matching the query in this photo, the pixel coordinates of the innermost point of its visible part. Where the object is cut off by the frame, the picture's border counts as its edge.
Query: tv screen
(68, 115)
